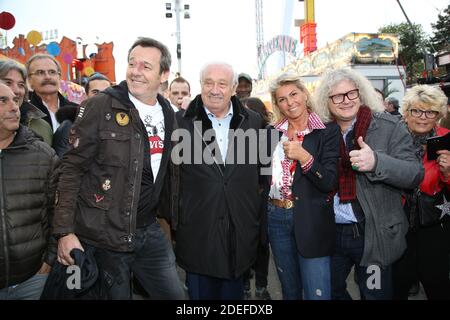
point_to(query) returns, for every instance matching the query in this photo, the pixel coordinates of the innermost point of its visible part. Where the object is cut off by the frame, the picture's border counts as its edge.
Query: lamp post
(428, 58)
(177, 9)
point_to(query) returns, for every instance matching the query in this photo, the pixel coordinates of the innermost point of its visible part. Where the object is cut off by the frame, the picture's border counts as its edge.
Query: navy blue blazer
(313, 191)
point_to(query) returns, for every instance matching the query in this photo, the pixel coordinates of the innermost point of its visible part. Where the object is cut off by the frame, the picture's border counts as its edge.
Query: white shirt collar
(229, 112)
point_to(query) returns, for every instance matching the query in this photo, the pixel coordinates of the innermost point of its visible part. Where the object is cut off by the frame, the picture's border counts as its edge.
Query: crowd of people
(143, 178)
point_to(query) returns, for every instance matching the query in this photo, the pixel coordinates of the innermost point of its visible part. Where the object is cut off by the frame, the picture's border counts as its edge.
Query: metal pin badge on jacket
(108, 116)
(122, 119)
(106, 185)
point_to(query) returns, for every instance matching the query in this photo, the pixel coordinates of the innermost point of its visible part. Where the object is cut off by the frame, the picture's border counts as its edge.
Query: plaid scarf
(347, 176)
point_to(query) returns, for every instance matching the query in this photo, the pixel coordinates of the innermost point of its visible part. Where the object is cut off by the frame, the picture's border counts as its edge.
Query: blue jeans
(300, 277)
(349, 251)
(152, 263)
(30, 289)
(202, 287)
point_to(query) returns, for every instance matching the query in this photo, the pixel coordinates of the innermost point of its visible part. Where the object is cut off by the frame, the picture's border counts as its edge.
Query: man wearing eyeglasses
(377, 161)
(44, 76)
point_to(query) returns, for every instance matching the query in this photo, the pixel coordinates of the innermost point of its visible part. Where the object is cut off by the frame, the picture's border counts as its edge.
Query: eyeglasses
(41, 73)
(340, 97)
(429, 114)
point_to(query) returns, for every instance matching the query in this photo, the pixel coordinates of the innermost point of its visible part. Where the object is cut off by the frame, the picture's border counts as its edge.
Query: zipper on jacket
(3, 218)
(134, 195)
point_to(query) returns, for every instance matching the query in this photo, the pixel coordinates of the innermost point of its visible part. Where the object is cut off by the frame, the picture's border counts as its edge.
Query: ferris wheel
(284, 42)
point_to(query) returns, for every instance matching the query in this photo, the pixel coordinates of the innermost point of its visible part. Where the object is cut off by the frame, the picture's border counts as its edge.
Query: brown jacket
(100, 178)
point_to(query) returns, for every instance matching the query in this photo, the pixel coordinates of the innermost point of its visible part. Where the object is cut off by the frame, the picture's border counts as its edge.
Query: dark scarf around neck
(420, 141)
(347, 176)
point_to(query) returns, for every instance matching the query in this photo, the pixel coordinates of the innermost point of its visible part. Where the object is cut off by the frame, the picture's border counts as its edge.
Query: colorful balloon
(34, 37)
(53, 48)
(67, 58)
(7, 20)
(88, 71)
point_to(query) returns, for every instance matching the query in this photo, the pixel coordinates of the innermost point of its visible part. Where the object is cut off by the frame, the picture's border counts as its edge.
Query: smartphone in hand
(437, 143)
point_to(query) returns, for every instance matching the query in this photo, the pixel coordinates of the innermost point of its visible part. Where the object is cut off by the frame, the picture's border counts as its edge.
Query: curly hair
(427, 95)
(332, 77)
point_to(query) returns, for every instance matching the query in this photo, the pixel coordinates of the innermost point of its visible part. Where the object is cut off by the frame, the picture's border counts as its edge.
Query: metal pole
(177, 13)
(404, 13)
(412, 27)
(424, 51)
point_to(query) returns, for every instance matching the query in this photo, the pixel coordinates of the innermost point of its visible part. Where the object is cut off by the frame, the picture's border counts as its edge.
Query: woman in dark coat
(304, 175)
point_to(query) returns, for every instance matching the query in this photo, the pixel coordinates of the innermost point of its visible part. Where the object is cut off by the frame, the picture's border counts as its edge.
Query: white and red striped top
(283, 169)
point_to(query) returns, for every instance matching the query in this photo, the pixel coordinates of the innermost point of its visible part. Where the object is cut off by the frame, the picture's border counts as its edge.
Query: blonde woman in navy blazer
(300, 217)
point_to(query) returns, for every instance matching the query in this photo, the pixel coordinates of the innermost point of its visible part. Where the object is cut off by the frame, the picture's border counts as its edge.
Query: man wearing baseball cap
(244, 88)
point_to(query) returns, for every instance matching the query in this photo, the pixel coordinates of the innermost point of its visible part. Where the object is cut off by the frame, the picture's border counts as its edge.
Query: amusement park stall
(373, 55)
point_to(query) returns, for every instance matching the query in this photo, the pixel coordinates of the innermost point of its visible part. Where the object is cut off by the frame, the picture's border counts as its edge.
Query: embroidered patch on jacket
(122, 119)
(74, 141)
(98, 198)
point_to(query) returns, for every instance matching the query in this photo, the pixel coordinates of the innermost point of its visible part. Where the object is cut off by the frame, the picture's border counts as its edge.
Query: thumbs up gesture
(362, 160)
(294, 151)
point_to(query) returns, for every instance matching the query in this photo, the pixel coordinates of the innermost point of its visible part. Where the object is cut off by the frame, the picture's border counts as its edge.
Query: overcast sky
(217, 30)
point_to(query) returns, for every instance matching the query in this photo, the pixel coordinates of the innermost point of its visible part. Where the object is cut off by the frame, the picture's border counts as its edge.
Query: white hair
(332, 77)
(432, 97)
(219, 63)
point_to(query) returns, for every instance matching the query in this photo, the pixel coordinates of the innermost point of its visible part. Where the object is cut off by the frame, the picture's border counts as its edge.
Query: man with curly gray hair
(377, 161)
